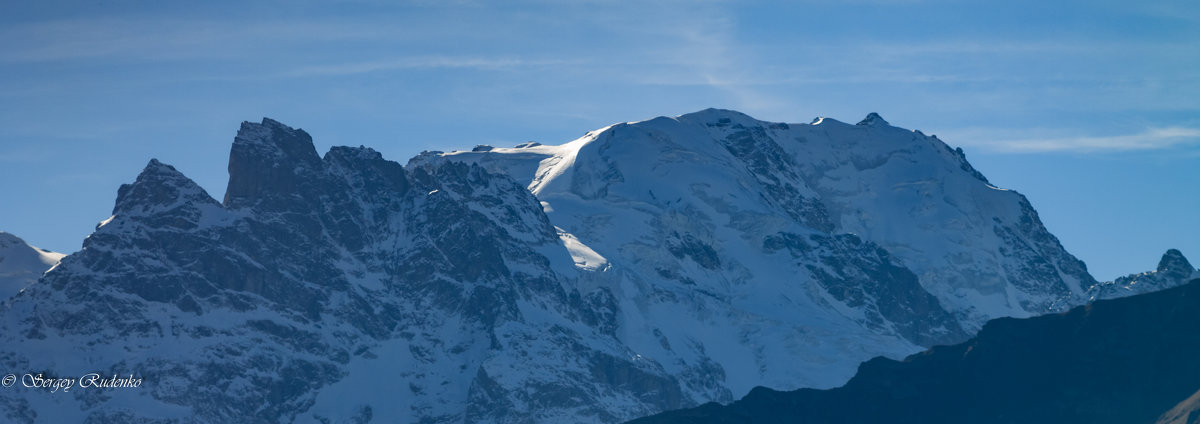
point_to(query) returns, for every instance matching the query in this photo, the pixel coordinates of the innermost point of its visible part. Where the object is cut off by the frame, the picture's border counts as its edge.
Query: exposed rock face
(1173, 265)
(21, 264)
(280, 303)
(1130, 360)
(644, 267)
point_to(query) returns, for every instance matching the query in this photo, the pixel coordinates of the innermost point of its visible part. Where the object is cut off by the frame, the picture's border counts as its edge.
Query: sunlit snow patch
(585, 258)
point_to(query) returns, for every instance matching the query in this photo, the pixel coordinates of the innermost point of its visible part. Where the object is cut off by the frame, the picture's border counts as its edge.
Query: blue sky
(1091, 109)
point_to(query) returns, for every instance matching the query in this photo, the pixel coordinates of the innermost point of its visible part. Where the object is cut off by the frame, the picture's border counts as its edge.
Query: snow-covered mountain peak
(9, 241)
(907, 192)
(873, 119)
(21, 264)
(717, 117)
(16, 251)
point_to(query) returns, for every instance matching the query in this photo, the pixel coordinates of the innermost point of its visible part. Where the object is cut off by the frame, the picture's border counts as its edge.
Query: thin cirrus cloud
(1150, 139)
(173, 39)
(428, 62)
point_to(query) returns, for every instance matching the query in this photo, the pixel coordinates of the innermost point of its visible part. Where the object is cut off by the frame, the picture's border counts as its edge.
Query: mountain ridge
(822, 188)
(1173, 269)
(646, 266)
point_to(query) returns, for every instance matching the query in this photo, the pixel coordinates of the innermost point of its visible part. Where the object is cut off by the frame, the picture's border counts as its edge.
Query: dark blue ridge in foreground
(1130, 360)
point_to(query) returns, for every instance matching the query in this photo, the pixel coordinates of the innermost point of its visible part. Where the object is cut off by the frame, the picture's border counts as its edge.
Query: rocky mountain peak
(273, 139)
(1173, 264)
(1173, 270)
(366, 169)
(873, 119)
(268, 159)
(158, 187)
(360, 153)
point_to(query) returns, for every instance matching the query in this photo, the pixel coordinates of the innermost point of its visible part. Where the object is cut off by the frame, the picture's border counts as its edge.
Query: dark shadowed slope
(1130, 360)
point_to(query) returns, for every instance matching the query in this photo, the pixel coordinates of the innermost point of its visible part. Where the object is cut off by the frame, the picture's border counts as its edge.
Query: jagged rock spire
(268, 159)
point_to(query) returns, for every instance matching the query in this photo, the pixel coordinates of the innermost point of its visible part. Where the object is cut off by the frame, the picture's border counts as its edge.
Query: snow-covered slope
(1172, 270)
(741, 185)
(644, 267)
(21, 264)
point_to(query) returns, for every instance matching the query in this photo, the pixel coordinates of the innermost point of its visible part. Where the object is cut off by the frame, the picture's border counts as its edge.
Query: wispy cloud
(1150, 139)
(169, 39)
(703, 49)
(428, 62)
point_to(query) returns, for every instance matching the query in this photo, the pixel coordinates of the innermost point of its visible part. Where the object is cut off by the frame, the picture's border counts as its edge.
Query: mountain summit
(1175, 265)
(873, 119)
(643, 267)
(21, 264)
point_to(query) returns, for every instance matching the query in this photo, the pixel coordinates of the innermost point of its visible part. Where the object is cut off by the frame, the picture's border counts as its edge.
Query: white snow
(585, 258)
(621, 190)
(21, 264)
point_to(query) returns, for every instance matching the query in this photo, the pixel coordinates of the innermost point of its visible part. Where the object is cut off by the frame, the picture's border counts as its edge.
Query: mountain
(644, 267)
(739, 184)
(1173, 269)
(341, 288)
(1131, 360)
(21, 264)
(788, 253)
